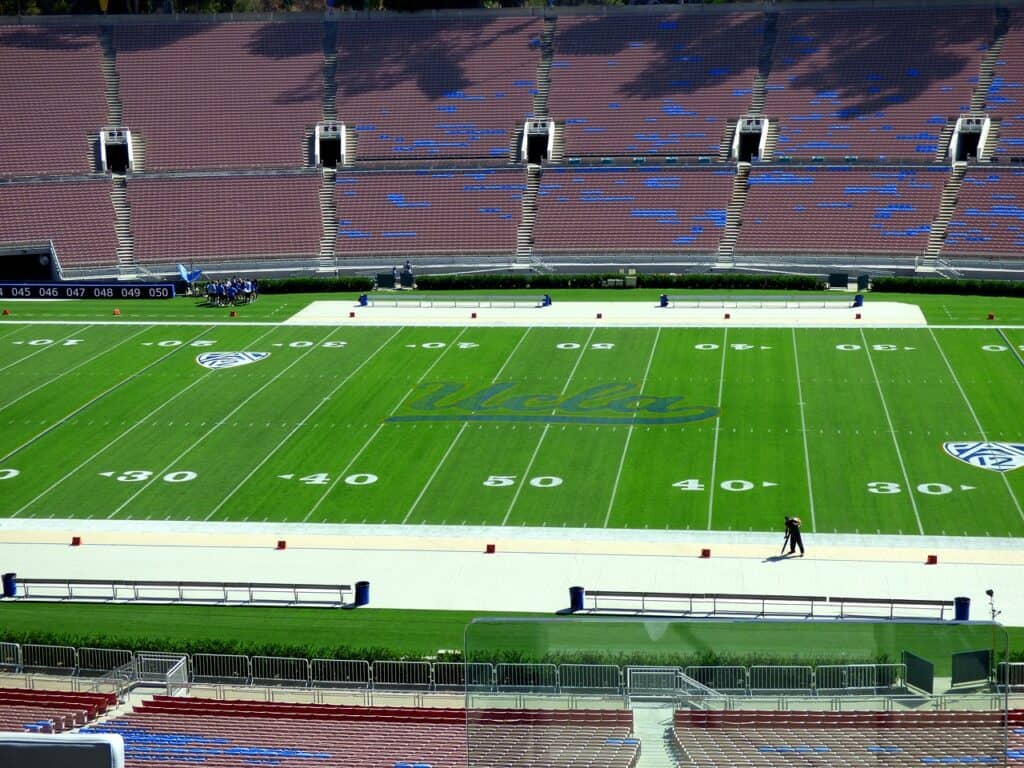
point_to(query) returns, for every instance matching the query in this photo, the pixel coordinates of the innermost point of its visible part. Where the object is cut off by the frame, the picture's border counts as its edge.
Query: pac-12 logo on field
(217, 360)
(999, 457)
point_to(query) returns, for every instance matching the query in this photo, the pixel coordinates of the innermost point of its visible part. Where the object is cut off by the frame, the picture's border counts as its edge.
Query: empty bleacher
(180, 732)
(875, 83)
(230, 95)
(843, 739)
(425, 212)
(1005, 99)
(429, 88)
(631, 210)
(221, 218)
(45, 711)
(989, 217)
(830, 209)
(51, 89)
(661, 85)
(76, 215)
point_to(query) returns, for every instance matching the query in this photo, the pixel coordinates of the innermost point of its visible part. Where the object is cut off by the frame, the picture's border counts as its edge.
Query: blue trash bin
(576, 599)
(962, 609)
(10, 584)
(362, 593)
(663, 300)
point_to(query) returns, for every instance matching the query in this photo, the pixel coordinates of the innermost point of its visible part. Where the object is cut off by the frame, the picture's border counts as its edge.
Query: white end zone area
(617, 314)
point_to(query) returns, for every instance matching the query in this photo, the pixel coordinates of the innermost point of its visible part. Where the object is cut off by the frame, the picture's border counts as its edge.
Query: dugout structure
(422, 301)
(744, 691)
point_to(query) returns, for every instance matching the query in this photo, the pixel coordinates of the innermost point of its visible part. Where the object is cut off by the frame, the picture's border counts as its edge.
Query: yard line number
(324, 478)
(141, 475)
(736, 486)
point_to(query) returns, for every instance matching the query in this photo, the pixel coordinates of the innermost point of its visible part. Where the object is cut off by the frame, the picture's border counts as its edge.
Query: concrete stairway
(127, 268)
(547, 56)
(986, 72)
(733, 217)
(111, 79)
(940, 224)
(528, 217)
(988, 149)
(327, 261)
(558, 144)
(764, 64)
(945, 137)
(330, 70)
(138, 152)
(725, 145)
(515, 145)
(351, 145)
(771, 140)
(652, 724)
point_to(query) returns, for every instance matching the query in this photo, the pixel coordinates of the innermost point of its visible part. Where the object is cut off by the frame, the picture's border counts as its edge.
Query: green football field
(673, 428)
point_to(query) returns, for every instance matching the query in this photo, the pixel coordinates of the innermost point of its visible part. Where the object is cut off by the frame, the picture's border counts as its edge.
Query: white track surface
(446, 568)
(615, 314)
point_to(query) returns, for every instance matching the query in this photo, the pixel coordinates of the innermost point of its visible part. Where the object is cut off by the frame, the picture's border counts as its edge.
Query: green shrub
(948, 287)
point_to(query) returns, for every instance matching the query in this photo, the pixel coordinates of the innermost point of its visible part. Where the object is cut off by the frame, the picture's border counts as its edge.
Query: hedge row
(948, 287)
(247, 648)
(315, 285)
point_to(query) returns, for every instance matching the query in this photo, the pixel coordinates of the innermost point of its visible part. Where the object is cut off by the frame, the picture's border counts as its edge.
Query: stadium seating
(260, 97)
(1004, 99)
(989, 217)
(225, 217)
(599, 209)
(436, 88)
(661, 85)
(873, 83)
(842, 739)
(180, 732)
(420, 212)
(840, 209)
(49, 711)
(77, 216)
(52, 96)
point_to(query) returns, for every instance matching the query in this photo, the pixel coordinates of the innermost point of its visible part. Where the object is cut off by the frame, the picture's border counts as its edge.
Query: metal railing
(1010, 674)
(122, 667)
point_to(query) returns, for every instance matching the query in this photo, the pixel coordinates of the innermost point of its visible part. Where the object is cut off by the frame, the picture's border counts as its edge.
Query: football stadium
(511, 384)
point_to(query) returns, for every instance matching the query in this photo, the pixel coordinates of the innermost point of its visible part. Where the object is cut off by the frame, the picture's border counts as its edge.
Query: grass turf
(517, 427)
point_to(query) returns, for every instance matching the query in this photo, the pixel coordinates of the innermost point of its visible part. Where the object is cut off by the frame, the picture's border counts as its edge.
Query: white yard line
(327, 492)
(977, 421)
(430, 480)
(127, 431)
(297, 427)
(803, 431)
(892, 431)
(56, 343)
(98, 397)
(74, 368)
(544, 433)
(718, 420)
(629, 434)
(14, 329)
(212, 429)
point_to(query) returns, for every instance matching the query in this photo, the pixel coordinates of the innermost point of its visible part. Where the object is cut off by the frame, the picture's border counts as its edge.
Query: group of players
(229, 293)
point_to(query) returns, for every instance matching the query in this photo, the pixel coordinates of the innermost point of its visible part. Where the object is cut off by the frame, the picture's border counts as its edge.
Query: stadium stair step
(515, 144)
(734, 216)
(988, 149)
(940, 225)
(986, 71)
(528, 215)
(558, 144)
(652, 724)
(329, 222)
(111, 78)
(945, 138)
(771, 139)
(725, 145)
(127, 268)
(330, 70)
(541, 102)
(351, 145)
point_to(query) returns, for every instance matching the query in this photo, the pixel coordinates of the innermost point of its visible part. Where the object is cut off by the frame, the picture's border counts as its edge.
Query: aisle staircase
(652, 724)
(940, 225)
(327, 261)
(528, 218)
(733, 218)
(127, 267)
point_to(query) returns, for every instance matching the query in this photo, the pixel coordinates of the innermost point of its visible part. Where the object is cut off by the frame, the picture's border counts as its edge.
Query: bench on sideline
(684, 301)
(188, 592)
(717, 605)
(451, 302)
